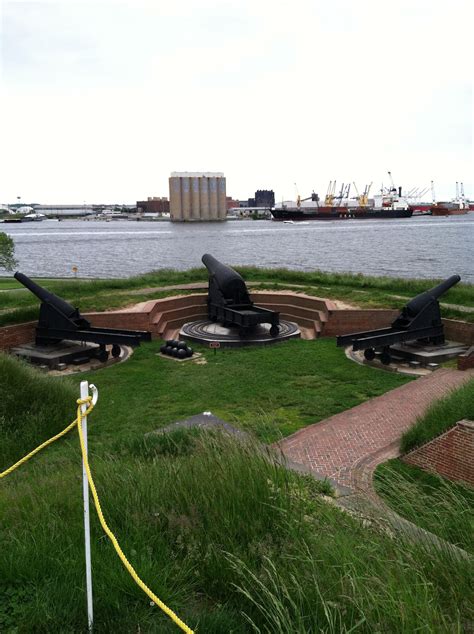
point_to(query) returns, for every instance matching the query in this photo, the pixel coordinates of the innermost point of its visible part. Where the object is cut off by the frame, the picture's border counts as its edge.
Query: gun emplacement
(229, 302)
(419, 320)
(58, 320)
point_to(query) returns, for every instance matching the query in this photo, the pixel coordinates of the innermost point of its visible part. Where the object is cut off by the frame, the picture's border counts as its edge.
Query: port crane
(344, 193)
(363, 199)
(314, 197)
(330, 194)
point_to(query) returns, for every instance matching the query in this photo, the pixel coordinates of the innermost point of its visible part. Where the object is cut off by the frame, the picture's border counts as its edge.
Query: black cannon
(229, 302)
(420, 320)
(59, 320)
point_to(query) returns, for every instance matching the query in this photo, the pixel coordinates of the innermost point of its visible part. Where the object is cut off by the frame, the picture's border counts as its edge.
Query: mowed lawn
(271, 390)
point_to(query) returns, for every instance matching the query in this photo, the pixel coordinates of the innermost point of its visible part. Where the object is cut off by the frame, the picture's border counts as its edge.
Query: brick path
(348, 446)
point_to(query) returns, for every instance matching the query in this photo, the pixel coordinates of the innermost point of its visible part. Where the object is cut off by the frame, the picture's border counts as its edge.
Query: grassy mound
(33, 407)
(17, 304)
(434, 503)
(440, 417)
(228, 539)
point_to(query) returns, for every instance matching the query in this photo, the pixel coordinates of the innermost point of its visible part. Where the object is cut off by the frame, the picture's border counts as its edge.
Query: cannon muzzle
(46, 296)
(415, 305)
(229, 282)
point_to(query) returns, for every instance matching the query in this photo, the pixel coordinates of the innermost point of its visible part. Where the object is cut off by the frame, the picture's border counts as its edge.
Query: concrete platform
(52, 355)
(204, 331)
(426, 354)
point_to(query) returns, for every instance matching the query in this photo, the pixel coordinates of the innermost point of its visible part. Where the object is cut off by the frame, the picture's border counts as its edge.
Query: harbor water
(419, 247)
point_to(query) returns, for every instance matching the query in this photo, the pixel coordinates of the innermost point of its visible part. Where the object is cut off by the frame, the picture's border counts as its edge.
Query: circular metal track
(205, 331)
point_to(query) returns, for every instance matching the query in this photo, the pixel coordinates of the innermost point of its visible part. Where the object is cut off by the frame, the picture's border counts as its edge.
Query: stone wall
(449, 455)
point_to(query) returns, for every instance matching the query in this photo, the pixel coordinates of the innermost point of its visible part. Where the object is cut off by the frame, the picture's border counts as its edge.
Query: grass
(228, 539)
(442, 507)
(363, 291)
(271, 391)
(442, 415)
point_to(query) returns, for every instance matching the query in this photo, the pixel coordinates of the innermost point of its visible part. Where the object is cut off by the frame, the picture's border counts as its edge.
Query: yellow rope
(80, 415)
(113, 539)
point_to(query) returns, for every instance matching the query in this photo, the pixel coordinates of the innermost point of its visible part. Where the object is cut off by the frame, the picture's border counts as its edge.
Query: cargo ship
(337, 213)
(389, 204)
(449, 209)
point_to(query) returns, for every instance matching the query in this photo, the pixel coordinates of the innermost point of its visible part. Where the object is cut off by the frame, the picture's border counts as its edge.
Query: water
(421, 247)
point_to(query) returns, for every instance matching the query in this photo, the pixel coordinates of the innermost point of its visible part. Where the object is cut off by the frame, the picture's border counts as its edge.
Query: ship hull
(447, 211)
(339, 213)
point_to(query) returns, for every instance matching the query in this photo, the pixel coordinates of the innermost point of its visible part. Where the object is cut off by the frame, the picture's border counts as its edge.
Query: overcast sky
(101, 100)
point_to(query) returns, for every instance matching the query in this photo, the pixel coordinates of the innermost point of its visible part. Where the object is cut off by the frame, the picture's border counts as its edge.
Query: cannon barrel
(230, 283)
(415, 305)
(46, 296)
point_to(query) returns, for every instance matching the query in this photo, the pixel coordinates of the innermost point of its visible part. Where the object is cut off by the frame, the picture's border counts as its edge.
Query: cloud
(102, 100)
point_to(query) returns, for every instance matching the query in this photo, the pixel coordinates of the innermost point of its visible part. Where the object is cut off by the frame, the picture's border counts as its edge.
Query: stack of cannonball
(175, 348)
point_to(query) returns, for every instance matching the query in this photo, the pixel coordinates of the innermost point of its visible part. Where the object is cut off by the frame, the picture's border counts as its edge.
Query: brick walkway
(348, 446)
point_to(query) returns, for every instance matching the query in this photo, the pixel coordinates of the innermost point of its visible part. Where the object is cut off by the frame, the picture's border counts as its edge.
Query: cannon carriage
(419, 320)
(59, 321)
(229, 303)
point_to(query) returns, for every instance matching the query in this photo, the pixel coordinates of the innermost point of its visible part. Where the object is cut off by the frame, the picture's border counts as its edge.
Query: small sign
(214, 344)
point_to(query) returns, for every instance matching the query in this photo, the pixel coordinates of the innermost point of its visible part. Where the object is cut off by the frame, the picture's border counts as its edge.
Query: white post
(87, 534)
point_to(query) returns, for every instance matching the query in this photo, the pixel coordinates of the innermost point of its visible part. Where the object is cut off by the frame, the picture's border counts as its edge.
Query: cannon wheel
(274, 330)
(103, 354)
(369, 354)
(386, 357)
(116, 350)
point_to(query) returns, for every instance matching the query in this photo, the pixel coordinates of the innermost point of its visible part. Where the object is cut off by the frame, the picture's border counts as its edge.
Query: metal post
(87, 534)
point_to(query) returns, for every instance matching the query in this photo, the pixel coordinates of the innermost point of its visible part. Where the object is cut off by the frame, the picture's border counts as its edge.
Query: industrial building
(197, 196)
(154, 204)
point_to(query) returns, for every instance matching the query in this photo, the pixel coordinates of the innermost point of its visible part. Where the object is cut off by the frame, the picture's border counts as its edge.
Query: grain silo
(186, 197)
(195, 201)
(213, 208)
(175, 199)
(204, 197)
(197, 196)
(221, 198)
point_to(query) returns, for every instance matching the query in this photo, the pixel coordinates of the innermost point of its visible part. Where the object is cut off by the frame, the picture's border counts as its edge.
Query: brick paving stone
(348, 446)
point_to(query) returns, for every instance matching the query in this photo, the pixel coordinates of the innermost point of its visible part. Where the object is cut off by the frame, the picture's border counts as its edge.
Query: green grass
(442, 415)
(269, 390)
(442, 507)
(228, 539)
(364, 291)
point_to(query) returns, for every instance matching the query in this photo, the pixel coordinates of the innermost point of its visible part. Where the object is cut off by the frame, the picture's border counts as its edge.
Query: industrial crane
(314, 197)
(363, 199)
(329, 200)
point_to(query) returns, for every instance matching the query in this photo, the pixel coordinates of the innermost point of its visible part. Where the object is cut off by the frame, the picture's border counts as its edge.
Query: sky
(100, 101)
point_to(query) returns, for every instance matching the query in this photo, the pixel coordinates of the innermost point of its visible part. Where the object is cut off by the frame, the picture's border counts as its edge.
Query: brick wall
(344, 322)
(17, 335)
(462, 331)
(466, 360)
(449, 455)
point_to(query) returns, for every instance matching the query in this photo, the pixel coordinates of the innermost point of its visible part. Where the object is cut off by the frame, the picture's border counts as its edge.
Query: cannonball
(169, 342)
(163, 348)
(175, 343)
(182, 345)
(181, 354)
(189, 352)
(168, 350)
(174, 352)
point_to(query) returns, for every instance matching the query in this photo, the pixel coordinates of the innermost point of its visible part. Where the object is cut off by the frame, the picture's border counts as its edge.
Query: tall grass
(33, 407)
(440, 416)
(429, 501)
(227, 538)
